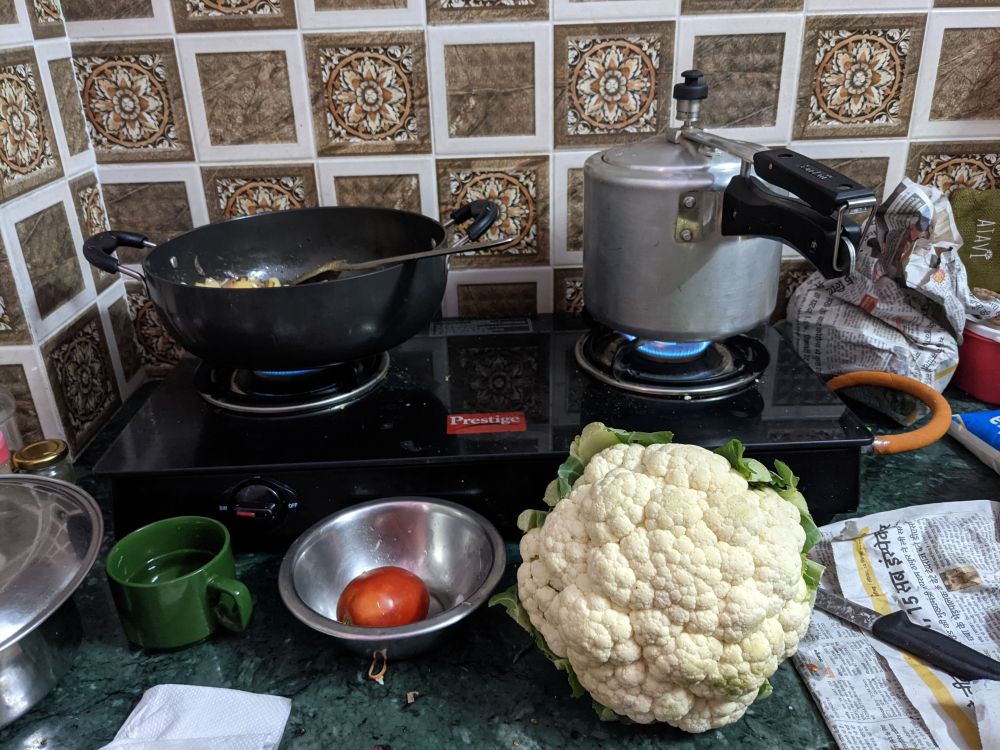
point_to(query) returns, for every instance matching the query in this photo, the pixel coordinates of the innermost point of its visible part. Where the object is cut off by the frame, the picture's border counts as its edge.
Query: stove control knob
(260, 500)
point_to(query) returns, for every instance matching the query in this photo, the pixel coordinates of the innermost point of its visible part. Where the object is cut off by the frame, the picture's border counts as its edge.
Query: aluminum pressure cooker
(683, 232)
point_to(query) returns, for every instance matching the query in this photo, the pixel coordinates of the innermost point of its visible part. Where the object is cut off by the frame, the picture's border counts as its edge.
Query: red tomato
(382, 598)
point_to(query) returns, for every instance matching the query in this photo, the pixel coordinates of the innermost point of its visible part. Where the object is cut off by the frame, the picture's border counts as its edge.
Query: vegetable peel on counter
(668, 581)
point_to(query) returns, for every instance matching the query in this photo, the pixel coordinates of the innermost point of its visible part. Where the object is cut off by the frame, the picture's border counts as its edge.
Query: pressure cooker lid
(50, 533)
(661, 155)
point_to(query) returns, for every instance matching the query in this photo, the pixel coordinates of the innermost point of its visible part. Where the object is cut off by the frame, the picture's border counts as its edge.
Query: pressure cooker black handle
(99, 249)
(483, 213)
(822, 188)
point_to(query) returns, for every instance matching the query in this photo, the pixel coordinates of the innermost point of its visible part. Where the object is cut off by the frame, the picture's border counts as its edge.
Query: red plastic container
(978, 371)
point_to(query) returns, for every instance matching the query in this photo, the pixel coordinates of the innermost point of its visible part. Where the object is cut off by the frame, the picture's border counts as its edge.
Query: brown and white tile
(591, 10)
(133, 100)
(233, 15)
(246, 93)
(117, 19)
(858, 75)
(496, 293)
(865, 6)
(14, 26)
(29, 156)
(749, 64)
(612, 82)
(159, 352)
(92, 216)
(879, 163)
(368, 92)
(123, 333)
(567, 207)
(406, 183)
(701, 7)
(485, 11)
(46, 18)
(490, 88)
(78, 362)
(22, 372)
(337, 15)
(247, 189)
(520, 187)
(965, 3)
(567, 290)
(55, 69)
(13, 325)
(962, 68)
(14, 379)
(955, 165)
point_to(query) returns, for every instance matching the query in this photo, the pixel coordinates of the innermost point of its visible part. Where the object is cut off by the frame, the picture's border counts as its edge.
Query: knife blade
(933, 647)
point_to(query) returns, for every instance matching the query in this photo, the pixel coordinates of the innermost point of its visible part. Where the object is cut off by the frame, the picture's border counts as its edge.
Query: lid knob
(693, 86)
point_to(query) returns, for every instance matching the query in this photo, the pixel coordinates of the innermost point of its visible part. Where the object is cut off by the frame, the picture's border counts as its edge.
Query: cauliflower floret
(673, 588)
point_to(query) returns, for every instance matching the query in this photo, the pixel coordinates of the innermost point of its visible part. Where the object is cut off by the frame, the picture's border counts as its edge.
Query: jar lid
(40, 454)
(50, 534)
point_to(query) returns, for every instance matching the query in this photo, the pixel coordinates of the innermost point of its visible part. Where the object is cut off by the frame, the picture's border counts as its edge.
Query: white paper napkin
(191, 717)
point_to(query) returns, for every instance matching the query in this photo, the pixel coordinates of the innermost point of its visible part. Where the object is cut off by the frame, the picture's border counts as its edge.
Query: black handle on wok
(99, 249)
(483, 213)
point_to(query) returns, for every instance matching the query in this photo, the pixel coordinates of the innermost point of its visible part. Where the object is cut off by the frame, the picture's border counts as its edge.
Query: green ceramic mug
(174, 583)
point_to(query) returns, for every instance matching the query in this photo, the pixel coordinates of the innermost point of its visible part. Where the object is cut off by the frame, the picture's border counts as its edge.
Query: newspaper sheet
(941, 564)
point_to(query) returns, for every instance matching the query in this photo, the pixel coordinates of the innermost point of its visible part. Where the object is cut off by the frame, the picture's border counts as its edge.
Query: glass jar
(47, 458)
(8, 420)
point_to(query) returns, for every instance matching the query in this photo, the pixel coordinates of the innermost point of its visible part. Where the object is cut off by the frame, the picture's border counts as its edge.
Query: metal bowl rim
(312, 618)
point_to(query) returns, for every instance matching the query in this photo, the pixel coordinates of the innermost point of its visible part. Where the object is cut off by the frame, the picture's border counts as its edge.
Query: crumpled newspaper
(904, 308)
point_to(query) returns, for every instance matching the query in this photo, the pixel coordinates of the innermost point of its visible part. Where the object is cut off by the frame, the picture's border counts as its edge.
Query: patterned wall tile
(793, 272)
(28, 153)
(8, 12)
(520, 186)
(233, 15)
(869, 171)
(46, 18)
(50, 256)
(857, 76)
(124, 333)
(14, 379)
(744, 73)
(967, 75)
(249, 189)
(574, 210)
(505, 300)
(484, 11)
(691, 7)
(132, 98)
(13, 326)
(158, 351)
(567, 290)
(965, 3)
(953, 166)
(70, 110)
(248, 97)
(490, 89)
(400, 191)
(78, 362)
(369, 92)
(92, 216)
(101, 10)
(324, 5)
(612, 82)
(158, 210)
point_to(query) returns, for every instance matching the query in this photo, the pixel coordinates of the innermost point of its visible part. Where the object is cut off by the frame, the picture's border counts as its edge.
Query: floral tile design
(133, 102)
(490, 89)
(506, 300)
(70, 108)
(158, 351)
(744, 73)
(13, 326)
(368, 92)
(607, 82)
(574, 210)
(857, 76)
(233, 15)
(46, 18)
(967, 75)
(520, 187)
(78, 362)
(14, 379)
(50, 256)
(567, 290)
(249, 189)
(159, 210)
(106, 10)
(954, 166)
(28, 155)
(8, 13)
(693, 7)
(248, 97)
(499, 379)
(92, 217)
(401, 191)
(124, 333)
(484, 11)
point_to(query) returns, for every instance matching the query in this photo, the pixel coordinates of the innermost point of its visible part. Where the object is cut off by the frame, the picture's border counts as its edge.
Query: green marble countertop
(482, 690)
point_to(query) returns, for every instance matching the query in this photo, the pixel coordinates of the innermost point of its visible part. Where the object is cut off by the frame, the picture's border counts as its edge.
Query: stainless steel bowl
(455, 551)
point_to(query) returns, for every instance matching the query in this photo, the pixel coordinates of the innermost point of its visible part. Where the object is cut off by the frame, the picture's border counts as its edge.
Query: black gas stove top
(479, 412)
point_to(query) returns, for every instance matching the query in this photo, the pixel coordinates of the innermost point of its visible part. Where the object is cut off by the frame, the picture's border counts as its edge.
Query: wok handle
(483, 213)
(905, 441)
(99, 249)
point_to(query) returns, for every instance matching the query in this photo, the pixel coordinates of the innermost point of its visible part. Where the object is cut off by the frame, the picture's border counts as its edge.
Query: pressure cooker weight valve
(689, 95)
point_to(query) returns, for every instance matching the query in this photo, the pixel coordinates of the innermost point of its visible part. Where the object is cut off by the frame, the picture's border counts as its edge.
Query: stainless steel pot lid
(50, 533)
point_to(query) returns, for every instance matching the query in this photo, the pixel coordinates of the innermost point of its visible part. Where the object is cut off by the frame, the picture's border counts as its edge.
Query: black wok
(292, 327)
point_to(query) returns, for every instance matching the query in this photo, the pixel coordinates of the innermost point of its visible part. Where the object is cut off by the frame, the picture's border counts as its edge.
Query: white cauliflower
(669, 584)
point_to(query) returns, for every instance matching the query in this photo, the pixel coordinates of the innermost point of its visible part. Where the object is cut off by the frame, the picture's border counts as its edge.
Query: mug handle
(234, 607)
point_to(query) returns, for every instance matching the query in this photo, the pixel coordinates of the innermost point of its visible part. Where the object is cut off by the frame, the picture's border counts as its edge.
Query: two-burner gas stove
(478, 412)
